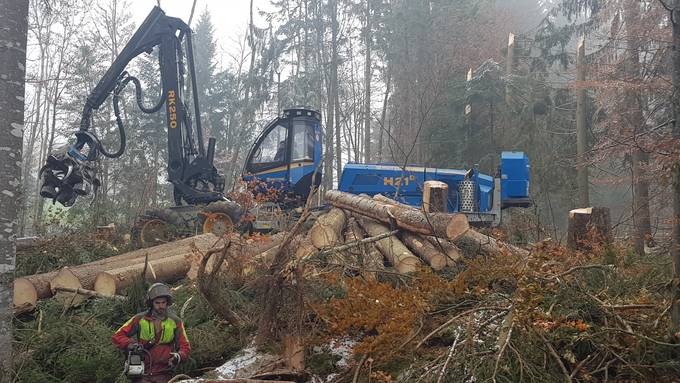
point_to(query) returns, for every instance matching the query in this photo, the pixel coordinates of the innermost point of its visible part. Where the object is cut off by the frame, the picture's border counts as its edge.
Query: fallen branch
(584, 267)
(350, 245)
(464, 313)
(500, 353)
(448, 358)
(556, 357)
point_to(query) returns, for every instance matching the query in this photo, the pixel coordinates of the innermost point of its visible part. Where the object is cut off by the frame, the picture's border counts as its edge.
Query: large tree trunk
(675, 170)
(392, 248)
(451, 226)
(13, 35)
(167, 269)
(88, 271)
(633, 114)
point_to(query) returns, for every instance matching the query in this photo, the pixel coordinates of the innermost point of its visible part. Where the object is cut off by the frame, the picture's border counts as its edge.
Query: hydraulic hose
(126, 78)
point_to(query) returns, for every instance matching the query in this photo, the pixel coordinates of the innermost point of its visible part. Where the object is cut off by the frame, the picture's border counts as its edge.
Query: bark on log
(443, 225)
(327, 230)
(294, 353)
(588, 225)
(354, 233)
(392, 248)
(475, 242)
(253, 247)
(435, 196)
(159, 270)
(451, 251)
(425, 250)
(390, 201)
(305, 248)
(87, 272)
(89, 293)
(24, 243)
(25, 296)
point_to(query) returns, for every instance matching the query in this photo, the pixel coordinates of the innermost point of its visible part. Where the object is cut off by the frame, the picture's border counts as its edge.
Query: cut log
(294, 353)
(435, 196)
(89, 293)
(25, 296)
(159, 270)
(588, 226)
(443, 225)
(253, 247)
(327, 230)
(392, 248)
(354, 233)
(425, 250)
(475, 242)
(24, 243)
(87, 272)
(305, 248)
(105, 284)
(451, 251)
(66, 278)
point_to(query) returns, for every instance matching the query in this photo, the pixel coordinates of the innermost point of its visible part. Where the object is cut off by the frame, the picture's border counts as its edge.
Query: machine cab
(286, 154)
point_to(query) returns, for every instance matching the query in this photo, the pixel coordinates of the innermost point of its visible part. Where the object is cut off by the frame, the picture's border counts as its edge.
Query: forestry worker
(158, 334)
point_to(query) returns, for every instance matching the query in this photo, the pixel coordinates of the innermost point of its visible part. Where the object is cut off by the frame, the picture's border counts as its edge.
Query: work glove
(134, 347)
(175, 358)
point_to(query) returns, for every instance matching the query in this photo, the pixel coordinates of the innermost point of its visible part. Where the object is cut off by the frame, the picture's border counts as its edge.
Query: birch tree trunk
(675, 170)
(13, 35)
(367, 86)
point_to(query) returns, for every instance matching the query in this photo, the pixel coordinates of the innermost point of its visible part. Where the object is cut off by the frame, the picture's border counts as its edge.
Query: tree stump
(589, 226)
(435, 197)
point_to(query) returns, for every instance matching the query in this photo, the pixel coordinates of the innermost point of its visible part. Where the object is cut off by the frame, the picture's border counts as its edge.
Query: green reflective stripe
(146, 330)
(147, 333)
(168, 335)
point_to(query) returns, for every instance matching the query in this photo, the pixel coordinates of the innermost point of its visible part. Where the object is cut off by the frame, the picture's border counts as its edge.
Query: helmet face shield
(158, 290)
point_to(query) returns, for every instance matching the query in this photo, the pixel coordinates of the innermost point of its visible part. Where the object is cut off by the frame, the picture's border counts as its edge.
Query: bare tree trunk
(367, 85)
(383, 117)
(633, 113)
(13, 36)
(675, 170)
(581, 129)
(334, 85)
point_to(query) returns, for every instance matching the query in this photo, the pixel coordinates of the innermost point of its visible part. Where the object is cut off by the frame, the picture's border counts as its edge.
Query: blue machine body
(406, 185)
(285, 161)
(285, 156)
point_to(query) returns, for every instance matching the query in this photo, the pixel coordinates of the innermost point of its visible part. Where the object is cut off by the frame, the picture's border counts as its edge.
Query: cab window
(272, 148)
(303, 141)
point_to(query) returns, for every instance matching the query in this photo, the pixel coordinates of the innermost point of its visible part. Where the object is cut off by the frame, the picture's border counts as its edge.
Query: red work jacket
(171, 338)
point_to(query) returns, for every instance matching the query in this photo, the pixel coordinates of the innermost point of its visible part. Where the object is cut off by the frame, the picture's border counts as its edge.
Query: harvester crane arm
(190, 167)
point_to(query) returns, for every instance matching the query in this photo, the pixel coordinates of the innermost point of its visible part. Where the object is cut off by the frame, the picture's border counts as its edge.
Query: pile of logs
(386, 232)
(379, 230)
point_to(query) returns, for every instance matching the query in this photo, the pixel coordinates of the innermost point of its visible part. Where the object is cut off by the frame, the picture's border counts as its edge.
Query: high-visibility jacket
(171, 337)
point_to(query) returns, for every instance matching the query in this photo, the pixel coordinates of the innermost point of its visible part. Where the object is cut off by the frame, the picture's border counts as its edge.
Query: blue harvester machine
(289, 151)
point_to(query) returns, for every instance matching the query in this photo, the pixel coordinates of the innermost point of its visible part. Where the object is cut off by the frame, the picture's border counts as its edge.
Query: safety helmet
(158, 290)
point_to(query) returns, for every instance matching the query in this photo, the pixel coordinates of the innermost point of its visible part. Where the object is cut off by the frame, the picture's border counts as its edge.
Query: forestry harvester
(285, 158)
(198, 187)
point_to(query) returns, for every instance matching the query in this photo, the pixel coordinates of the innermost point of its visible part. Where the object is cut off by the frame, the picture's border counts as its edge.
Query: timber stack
(362, 233)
